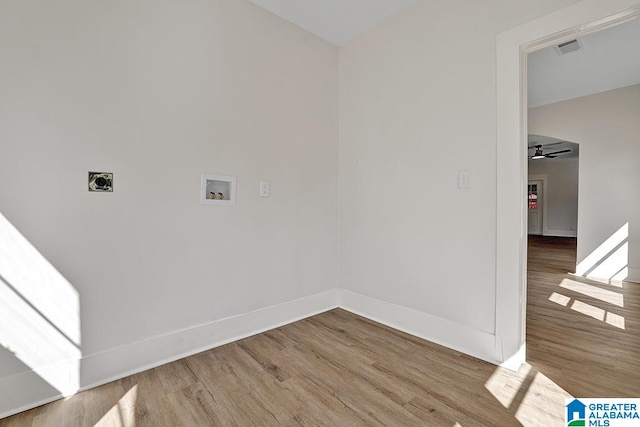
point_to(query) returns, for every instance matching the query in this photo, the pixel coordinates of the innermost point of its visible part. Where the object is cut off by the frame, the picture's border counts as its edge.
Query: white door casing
(512, 47)
(535, 200)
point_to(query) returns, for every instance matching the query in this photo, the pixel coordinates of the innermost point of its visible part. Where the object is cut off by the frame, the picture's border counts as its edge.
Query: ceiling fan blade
(560, 152)
(536, 144)
(550, 157)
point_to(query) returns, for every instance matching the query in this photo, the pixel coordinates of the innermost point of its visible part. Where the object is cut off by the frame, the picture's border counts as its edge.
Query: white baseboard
(435, 329)
(27, 390)
(515, 361)
(633, 275)
(560, 233)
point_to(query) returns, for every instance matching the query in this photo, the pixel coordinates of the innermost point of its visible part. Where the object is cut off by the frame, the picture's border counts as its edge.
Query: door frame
(512, 47)
(542, 178)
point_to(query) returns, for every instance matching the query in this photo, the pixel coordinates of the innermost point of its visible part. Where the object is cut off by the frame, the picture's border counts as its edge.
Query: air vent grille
(568, 46)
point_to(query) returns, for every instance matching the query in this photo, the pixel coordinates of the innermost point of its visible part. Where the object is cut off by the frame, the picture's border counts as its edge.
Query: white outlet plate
(464, 178)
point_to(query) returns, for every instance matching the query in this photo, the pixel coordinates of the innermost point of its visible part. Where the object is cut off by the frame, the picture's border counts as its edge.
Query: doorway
(512, 47)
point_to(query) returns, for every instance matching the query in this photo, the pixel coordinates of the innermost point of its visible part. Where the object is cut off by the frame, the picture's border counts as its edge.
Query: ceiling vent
(569, 46)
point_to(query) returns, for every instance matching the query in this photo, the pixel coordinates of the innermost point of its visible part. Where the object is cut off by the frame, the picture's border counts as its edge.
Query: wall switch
(464, 179)
(264, 189)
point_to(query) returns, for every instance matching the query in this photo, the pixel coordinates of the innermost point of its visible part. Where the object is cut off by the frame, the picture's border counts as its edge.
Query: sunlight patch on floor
(543, 403)
(596, 292)
(615, 320)
(559, 299)
(504, 384)
(123, 413)
(597, 313)
(532, 397)
(588, 310)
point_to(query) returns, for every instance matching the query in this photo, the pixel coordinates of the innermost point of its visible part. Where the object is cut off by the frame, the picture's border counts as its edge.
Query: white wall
(607, 126)
(417, 104)
(158, 92)
(223, 87)
(561, 197)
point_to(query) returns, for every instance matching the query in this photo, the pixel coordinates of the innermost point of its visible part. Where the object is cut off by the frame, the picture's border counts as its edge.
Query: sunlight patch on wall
(615, 265)
(37, 281)
(39, 312)
(609, 261)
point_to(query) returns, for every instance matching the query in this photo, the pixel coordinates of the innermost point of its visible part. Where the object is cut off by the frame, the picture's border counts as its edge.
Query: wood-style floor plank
(339, 369)
(586, 356)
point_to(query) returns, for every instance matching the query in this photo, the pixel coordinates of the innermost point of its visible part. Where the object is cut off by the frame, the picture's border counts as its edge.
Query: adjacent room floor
(582, 334)
(339, 369)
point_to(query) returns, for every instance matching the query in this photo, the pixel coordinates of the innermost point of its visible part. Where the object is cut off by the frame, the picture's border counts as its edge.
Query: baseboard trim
(432, 328)
(560, 233)
(17, 391)
(119, 362)
(633, 275)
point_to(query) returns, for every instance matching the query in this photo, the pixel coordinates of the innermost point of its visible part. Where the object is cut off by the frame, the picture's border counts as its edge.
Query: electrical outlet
(464, 179)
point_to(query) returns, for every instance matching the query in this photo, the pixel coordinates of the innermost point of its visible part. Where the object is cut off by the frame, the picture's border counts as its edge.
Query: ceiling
(609, 60)
(336, 21)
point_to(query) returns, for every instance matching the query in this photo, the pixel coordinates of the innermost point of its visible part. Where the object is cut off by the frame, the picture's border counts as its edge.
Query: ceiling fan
(540, 155)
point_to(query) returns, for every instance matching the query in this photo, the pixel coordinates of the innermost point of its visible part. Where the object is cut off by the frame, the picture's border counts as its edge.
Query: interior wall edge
(447, 333)
(633, 275)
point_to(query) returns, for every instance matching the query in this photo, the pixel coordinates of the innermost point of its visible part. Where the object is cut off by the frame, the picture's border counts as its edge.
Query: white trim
(512, 47)
(514, 362)
(441, 331)
(25, 391)
(560, 233)
(544, 180)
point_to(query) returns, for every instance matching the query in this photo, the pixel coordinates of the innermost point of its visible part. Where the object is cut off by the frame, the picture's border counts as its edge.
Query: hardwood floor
(339, 369)
(583, 334)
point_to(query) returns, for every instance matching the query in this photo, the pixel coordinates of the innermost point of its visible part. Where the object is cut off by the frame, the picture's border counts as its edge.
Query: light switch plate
(264, 189)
